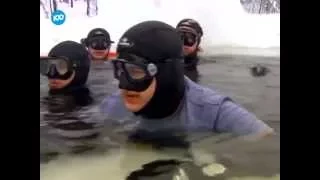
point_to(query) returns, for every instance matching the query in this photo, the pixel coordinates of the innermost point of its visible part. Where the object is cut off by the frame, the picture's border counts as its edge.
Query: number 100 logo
(58, 17)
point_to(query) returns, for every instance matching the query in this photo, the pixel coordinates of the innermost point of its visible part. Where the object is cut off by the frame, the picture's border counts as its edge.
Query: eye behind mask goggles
(134, 71)
(188, 36)
(99, 43)
(56, 67)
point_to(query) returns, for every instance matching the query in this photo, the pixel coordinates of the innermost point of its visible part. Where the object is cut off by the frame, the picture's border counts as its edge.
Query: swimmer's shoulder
(113, 106)
(203, 104)
(202, 96)
(221, 113)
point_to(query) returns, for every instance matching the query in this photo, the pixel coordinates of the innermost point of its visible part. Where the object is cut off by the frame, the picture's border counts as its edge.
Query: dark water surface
(228, 74)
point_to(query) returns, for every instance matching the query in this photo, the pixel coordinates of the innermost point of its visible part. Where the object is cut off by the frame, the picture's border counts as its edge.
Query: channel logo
(58, 17)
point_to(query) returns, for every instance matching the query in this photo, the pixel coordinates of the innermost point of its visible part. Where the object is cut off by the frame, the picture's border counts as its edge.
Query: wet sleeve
(235, 119)
(113, 107)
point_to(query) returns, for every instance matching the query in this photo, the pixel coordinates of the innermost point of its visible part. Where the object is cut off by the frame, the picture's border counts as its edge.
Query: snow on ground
(226, 25)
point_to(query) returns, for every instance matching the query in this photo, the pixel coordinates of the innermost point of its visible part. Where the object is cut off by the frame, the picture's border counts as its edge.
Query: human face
(98, 47)
(98, 54)
(135, 101)
(190, 42)
(59, 83)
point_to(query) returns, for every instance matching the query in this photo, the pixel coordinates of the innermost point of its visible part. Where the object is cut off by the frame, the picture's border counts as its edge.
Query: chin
(187, 53)
(133, 107)
(98, 57)
(54, 87)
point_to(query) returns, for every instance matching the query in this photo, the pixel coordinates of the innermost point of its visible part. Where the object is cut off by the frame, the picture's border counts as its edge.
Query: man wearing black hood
(98, 43)
(67, 67)
(157, 95)
(191, 34)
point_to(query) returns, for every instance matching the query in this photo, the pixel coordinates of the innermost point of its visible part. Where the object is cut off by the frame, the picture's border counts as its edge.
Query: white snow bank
(225, 23)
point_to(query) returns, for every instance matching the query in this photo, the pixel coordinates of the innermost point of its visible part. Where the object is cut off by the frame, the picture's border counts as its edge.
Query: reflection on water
(75, 155)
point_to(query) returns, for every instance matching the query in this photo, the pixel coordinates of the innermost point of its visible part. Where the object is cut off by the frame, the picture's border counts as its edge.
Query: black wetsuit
(66, 112)
(190, 67)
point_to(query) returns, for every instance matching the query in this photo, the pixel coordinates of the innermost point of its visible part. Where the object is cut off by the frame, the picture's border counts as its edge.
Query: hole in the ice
(259, 70)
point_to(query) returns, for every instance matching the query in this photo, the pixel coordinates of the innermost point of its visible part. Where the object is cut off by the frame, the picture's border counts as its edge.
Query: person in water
(65, 108)
(155, 94)
(191, 34)
(98, 43)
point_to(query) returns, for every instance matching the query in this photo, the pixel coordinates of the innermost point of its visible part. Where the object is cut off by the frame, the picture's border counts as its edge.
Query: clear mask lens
(189, 39)
(50, 65)
(99, 44)
(135, 72)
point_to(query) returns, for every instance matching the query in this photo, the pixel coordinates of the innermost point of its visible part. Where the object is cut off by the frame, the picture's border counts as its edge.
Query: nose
(52, 71)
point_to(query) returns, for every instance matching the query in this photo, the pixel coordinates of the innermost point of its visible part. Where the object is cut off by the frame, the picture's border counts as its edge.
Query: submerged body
(191, 33)
(190, 68)
(69, 124)
(202, 110)
(66, 108)
(159, 101)
(237, 158)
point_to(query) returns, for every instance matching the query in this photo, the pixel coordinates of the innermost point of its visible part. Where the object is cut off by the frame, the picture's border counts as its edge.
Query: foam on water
(114, 165)
(225, 22)
(117, 165)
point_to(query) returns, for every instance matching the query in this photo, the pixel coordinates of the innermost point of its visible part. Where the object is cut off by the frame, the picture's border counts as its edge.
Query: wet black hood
(191, 61)
(76, 53)
(69, 100)
(160, 44)
(168, 94)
